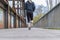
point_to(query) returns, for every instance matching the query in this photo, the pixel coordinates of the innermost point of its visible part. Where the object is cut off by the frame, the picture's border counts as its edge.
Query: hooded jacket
(29, 7)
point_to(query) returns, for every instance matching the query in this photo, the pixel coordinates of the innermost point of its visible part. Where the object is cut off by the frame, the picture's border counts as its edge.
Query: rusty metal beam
(16, 0)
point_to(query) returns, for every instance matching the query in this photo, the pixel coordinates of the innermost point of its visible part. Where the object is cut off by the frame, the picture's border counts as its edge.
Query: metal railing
(11, 19)
(51, 19)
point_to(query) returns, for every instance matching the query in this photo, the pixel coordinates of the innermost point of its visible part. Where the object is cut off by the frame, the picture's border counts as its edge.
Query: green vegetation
(36, 18)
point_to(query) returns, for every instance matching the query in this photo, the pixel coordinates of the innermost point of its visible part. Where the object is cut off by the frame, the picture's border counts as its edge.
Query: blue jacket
(30, 7)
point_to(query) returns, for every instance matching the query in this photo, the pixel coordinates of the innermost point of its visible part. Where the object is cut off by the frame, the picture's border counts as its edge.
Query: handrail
(48, 12)
(9, 8)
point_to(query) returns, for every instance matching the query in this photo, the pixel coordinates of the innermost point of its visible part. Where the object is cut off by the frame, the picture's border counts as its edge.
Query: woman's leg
(31, 16)
(28, 17)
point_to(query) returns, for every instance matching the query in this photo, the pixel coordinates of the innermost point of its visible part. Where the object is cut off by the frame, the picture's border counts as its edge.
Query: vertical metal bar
(6, 18)
(18, 6)
(10, 18)
(13, 3)
(14, 21)
(20, 14)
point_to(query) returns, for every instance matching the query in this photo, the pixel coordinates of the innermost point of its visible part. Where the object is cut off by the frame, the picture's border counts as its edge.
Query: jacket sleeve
(33, 7)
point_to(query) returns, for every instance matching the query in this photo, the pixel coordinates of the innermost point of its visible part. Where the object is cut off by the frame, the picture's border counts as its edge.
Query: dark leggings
(29, 16)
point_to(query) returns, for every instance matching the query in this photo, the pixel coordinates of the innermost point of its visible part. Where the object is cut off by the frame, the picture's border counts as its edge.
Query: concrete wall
(51, 19)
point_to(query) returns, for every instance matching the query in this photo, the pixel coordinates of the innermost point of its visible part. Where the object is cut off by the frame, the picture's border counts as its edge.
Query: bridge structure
(13, 24)
(12, 15)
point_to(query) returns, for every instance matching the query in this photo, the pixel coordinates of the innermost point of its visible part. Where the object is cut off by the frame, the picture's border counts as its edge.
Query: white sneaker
(29, 25)
(31, 21)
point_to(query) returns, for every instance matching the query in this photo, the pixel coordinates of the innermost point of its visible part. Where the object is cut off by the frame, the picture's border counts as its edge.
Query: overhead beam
(16, 0)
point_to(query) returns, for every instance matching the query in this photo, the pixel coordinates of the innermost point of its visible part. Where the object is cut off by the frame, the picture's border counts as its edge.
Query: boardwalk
(33, 34)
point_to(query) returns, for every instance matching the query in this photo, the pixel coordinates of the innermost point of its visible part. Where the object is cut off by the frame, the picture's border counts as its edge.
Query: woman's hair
(30, 0)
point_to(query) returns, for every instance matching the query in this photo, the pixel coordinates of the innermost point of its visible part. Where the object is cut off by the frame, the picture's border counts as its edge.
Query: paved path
(33, 34)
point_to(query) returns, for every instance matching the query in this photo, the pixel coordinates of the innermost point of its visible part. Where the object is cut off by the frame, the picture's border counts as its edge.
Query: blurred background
(12, 13)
